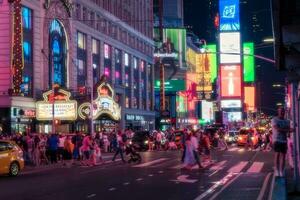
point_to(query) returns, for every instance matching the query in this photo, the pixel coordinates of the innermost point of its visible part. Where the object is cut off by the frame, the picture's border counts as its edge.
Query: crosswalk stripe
(218, 165)
(204, 165)
(177, 166)
(239, 167)
(233, 149)
(256, 167)
(146, 164)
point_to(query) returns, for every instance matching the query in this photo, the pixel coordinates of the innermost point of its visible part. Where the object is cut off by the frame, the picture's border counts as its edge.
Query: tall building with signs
(56, 51)
(236, 65)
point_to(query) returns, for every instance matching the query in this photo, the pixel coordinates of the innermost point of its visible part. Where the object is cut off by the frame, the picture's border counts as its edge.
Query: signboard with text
(64, 108)
(231, 81)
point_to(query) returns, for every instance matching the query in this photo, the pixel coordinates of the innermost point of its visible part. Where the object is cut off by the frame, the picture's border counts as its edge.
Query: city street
(235, 174)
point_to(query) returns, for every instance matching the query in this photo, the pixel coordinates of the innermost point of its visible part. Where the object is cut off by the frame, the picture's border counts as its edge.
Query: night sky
(255, 26)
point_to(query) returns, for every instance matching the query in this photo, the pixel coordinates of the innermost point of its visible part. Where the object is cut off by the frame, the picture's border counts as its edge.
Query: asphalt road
(235, 174)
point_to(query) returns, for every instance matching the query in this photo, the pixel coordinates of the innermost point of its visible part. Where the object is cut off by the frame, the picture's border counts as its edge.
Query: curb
(279, 188)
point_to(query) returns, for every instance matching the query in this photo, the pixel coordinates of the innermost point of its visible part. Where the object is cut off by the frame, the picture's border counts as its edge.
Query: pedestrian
(118, 145)
(36, 151)
(53, 146)
(77, 141)
(195, 144)
(68, 151)
(60, 149)
(189, 157)
(206, 146)
(280, 129)
(85, 149)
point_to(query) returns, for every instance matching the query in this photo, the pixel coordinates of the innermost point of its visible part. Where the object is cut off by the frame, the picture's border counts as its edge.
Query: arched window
(58, 53)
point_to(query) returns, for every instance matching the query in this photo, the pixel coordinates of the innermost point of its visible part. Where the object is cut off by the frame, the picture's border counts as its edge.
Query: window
(27, 18)
(135, 83)
(27, 48)
(26, 86)
(96, 60)
(4, 146)
(107, 62)
(118, 64)
(81, 59)
(81, 40)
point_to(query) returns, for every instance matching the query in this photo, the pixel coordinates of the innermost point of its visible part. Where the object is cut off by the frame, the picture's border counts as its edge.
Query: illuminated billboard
(249, 60)
(233, 116)
(230, 48)
(229, 15)
(173, 46)
(249, 98)
(231, 103)
(231, 81)
(207, 111)
(212, 54)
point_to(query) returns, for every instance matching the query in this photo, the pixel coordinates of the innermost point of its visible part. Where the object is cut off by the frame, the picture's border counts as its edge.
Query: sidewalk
(31, 168)
(283, 187)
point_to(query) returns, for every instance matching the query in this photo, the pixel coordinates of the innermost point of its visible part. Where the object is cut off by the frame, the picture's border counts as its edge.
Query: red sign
(231, 81)
(29, 113)
(249, 98)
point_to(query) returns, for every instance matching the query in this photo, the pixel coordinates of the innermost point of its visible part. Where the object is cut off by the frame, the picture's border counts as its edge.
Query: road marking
(139, 179)
(177, 166)
(224, 181)
(147, 164)
(184, 179)
(218, 165)
(90, 196)
(127, 183)
(150, 175)
(233, 149)
(264, 187)
(112, 189)
(160, 172)
(99, 167)
(270, 197)
(204, 165)
(239, 167)
(241, 150)
(256, 167)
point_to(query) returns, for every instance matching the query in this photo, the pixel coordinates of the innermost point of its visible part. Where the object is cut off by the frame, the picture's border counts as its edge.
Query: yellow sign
(64, 108)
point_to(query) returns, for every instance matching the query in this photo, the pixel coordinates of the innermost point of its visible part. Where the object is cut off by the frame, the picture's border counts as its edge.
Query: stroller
(133, 155)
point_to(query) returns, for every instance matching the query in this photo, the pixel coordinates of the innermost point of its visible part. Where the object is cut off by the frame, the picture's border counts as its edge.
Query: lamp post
(53, 92)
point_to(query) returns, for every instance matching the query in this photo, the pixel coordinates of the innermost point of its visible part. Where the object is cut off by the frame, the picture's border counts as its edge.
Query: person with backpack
(118, 145)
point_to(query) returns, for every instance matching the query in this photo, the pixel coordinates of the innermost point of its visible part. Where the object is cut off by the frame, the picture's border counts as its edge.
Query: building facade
(72, 44)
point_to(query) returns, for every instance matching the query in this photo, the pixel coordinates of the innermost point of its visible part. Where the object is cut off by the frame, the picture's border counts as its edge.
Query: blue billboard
(229, 15)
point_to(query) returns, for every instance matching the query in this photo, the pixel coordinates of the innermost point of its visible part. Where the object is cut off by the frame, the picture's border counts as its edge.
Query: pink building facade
(72, 43)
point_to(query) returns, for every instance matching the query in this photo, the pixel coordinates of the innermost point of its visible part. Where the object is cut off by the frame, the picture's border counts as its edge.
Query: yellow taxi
(247, 136)
(11, 158)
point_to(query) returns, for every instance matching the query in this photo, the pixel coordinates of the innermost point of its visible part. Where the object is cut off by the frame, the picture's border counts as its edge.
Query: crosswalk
(237, 167)
(241, 149)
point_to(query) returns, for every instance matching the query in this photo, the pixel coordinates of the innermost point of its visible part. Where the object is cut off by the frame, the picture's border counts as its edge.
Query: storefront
(106, 111)
(142, 121)
(64, 115)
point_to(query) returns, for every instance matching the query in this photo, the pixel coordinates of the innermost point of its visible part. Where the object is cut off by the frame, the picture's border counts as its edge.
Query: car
(11, 158)
(231, 136)
(140, 140)
(243, 137)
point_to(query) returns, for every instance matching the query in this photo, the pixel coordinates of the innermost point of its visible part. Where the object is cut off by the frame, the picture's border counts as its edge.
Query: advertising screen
(173, 45)
(230, 48)
(249, 68)
(229, 15)
(233, 116)
(231, 104)
(171, 85)
(207, 111)
(231, 81)
(212, 54)
(249, 98)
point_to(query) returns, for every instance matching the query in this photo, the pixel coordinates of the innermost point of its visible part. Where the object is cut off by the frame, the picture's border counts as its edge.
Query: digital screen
(231, 81)
(212, 54)
(233, 116)
(180, 104)
(173, 45)
(249, 60)
(106, 51)
(230, 48)
(231, 104)
(249, 98)
(229, 15)
(207, 111)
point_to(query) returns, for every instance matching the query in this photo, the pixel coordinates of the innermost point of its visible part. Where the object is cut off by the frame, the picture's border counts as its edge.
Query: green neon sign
(249, 62)
(171, 85)
(212, 50)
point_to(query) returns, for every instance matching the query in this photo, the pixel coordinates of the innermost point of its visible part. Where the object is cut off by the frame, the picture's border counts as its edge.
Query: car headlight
(252, 138)
(146, 142)
(240, 138)
(130, 142)
(230, 139)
